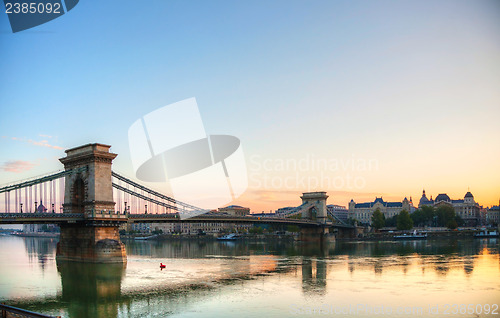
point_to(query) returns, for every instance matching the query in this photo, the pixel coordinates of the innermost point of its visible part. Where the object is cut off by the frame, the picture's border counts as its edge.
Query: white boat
(486, 234)
(229, 237)
(413, 236)
(143, 238)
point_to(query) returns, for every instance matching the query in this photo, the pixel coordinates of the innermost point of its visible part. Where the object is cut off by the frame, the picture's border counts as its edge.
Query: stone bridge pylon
(89, 192)
(316, 203)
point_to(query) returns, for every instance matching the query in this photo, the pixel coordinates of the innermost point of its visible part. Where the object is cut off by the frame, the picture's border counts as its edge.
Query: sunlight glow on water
(208, 279)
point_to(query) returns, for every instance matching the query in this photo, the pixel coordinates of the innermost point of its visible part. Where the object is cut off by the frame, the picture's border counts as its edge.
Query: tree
(428, 213)
(452, 224)
(423, 216)
(391, 222)
(404, 221)
(378, 219)
(418, 218)
(445, 213)
(352, 221)
(256, 230)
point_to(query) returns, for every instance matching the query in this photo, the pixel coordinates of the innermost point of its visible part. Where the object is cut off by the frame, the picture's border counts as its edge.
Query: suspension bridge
(80, 199)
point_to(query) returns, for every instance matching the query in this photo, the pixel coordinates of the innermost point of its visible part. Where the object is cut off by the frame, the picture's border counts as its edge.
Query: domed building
(442, 197)
(467, 209)
(425, 201)
(493, 215)
(35, 228)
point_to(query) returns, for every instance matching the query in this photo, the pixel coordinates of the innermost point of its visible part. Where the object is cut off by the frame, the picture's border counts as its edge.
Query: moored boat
(486, 233)
(143, 238)
(229, 237)
(411, 236)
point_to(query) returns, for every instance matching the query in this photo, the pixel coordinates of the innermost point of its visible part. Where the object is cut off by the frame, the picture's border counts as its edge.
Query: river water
(447, 278)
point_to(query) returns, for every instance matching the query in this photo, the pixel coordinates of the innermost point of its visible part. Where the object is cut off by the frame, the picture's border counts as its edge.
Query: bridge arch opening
(78, 196)
(312, 213)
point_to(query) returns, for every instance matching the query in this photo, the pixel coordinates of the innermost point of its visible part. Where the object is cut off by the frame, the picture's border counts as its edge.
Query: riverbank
(38, 234)
(431, 235)
(210, 237)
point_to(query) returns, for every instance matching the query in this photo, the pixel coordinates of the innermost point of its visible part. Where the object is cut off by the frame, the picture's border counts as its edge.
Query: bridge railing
(43, 179)
(10, 311)
(299, 209)
(215, 218)
(40, 215)
(156, 194)
(143, 197)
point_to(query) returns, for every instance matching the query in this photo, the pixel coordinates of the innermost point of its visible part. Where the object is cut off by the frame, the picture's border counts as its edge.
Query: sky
(359, 99)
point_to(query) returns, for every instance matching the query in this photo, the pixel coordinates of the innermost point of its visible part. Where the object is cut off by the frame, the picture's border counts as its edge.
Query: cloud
(45, 136)
(17, 166)
(41, 143)
(44, 143)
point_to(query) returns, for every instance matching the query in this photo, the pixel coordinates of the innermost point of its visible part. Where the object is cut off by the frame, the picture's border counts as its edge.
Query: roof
(234, 207)
(363, 205)
(381, 201)
(442, 197)
(394, 204)
(424, 200)
(457, 201)
(468, 195)
(428, 202)
(336, 207)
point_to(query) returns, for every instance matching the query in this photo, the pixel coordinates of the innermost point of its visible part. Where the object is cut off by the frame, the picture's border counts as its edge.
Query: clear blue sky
(411, 84)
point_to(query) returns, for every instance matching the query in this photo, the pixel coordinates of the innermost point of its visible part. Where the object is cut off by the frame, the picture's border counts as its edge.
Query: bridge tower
(90, 192)
(318, 211)
(316, 201)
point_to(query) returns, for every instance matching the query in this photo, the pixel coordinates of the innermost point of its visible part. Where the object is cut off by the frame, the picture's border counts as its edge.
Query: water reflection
(91, 290)
(40, 250)
(313, 277)
(441, 255)
(200, 271)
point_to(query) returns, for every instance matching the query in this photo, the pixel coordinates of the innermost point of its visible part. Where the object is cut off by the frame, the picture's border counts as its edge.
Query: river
(433, 278)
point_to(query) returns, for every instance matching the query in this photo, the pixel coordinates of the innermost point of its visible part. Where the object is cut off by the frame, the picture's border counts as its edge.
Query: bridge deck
(46, 218)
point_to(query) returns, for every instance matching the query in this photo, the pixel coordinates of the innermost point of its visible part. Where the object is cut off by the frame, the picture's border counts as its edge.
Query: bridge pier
(318, 234)
(349, 233)
(90, 243)
(90, 193)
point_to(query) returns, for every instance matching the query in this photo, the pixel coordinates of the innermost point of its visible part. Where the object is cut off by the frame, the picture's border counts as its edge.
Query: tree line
(444, 216)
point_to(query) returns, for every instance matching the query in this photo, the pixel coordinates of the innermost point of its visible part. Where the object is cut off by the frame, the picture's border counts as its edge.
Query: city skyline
(392, 97)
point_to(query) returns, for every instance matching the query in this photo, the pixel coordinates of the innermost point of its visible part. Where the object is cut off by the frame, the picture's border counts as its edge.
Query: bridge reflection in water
(91, 290)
